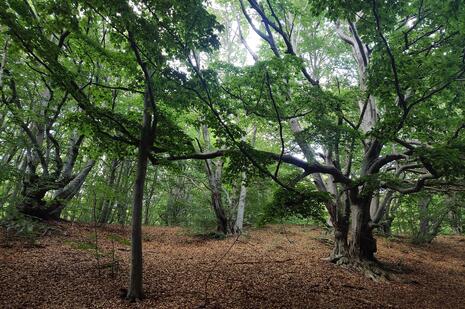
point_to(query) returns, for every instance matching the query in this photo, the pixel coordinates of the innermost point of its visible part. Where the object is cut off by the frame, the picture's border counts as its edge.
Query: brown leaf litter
(273, 267)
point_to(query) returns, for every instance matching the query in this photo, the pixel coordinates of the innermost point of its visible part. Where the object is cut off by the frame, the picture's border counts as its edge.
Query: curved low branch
(309, 168)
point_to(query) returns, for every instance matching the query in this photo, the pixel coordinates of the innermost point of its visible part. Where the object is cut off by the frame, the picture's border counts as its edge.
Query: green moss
(119, 239)
(81, 245)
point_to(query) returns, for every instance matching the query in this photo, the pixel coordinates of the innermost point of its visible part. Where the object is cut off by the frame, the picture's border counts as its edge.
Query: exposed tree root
(370, 269)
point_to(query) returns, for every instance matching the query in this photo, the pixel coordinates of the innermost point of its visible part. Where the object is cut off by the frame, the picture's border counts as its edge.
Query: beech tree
(33, 107)
(150, 41)
(409, 65)
(348, 106)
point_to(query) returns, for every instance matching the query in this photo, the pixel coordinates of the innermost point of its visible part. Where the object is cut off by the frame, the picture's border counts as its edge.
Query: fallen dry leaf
(264, 269)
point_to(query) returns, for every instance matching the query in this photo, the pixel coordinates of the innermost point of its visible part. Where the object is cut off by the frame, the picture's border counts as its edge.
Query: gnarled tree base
(42, 210)
(370, 269)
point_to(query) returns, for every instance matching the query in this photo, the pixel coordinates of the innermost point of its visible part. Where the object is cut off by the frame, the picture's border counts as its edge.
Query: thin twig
(214, 267)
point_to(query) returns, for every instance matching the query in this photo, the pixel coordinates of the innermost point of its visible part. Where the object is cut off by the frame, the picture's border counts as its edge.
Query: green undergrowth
(18, 226)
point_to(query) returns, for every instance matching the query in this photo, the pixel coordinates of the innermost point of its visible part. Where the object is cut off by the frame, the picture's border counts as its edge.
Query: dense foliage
(225, 115)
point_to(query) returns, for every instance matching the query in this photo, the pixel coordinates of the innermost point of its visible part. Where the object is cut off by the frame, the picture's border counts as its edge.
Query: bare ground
(274, 267)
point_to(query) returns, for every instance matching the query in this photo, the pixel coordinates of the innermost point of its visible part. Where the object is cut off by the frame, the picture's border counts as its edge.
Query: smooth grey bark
(386, 215)
(75, 184)
(423, 206)
(35, 187)
(73, 151)
(70, 190)
(379, 208)
(216, 197)
(108, 202)
(428, 228)
(363, 245)
(341, 247)
(239, 223)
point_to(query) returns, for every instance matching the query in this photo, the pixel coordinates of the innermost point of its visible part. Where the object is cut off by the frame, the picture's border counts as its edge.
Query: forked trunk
(33, 203)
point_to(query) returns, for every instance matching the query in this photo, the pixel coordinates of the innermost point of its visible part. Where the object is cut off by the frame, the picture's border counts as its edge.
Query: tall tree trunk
(214, 171)
(135, 290)
(170, 215)
(147, 207)
(217, 203)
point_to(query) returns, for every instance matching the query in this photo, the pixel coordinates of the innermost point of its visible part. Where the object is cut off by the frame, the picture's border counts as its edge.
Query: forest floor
(274, 267)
